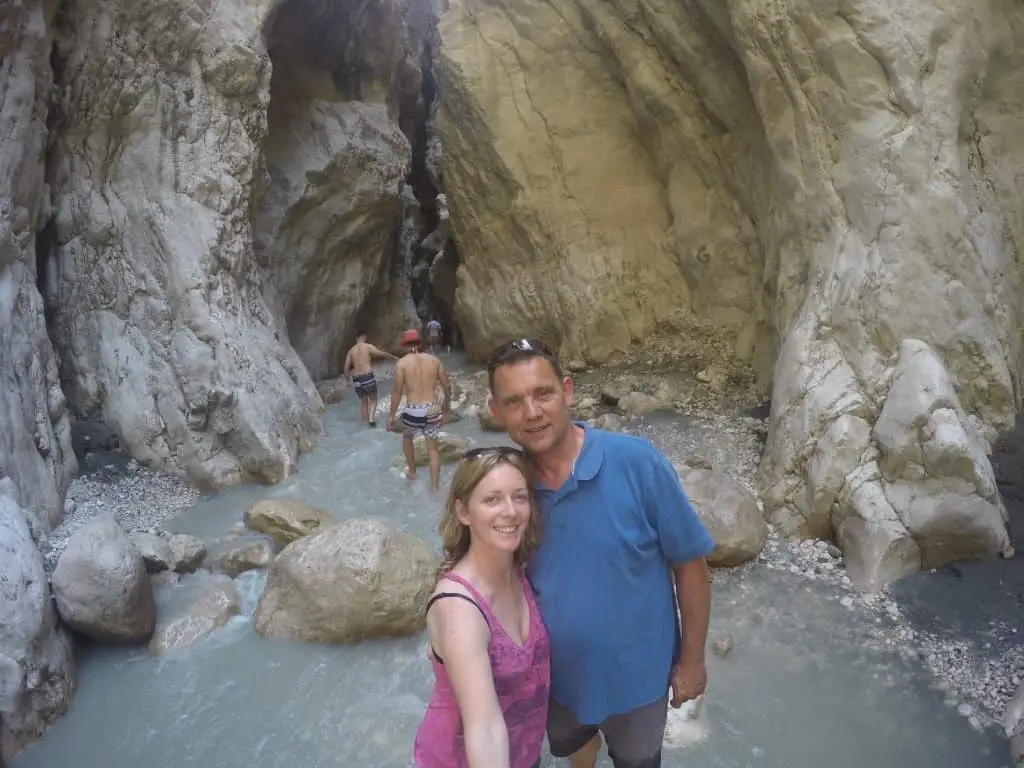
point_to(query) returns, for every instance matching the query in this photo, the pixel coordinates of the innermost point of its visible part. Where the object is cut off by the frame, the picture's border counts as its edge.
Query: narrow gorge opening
(351, 231)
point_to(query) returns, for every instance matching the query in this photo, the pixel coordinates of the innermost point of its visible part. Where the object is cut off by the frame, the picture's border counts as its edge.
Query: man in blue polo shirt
(618, 534)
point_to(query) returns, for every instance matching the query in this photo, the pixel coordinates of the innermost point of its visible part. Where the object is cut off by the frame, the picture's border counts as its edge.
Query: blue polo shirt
(603, 579)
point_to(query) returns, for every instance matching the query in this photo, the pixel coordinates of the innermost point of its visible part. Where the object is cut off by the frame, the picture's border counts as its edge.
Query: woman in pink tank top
(488, 645)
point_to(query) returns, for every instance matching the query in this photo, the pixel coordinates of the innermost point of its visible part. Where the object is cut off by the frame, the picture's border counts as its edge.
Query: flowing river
(810, 682)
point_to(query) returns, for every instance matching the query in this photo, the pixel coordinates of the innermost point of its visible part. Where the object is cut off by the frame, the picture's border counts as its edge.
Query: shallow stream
(810, 682)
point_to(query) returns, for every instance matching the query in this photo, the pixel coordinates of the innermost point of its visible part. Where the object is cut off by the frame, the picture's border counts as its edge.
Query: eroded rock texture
(35, 437)
(157, 309)
(328, 226)
(837, 185)
(36, 661)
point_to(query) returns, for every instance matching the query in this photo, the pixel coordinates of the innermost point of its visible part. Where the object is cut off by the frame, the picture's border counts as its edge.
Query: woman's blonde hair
(470, 471)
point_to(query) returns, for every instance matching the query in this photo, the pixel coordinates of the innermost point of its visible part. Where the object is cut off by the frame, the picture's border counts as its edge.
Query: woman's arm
(461, 636)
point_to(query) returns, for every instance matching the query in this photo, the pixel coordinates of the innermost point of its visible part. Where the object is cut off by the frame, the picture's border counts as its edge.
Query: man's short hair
(360, 332)
(513, 352)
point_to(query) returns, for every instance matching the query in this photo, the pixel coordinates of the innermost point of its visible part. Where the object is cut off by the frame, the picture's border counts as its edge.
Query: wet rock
(178, 552)
(246, 553)
(576, 366)
(155, 551)
(284, 520)
(332, 390)
(357, 580)
(722, 645)
(101, 585)
(730, 513)
(187, 552)
(1013, 723)
(206, 602)
(36, 659)
(450, 447)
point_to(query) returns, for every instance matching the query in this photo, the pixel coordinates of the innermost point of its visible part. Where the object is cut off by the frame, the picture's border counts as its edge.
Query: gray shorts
(634, 738)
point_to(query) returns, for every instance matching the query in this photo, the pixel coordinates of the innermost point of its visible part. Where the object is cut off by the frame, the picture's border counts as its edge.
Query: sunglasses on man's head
(496, 450)
(518, 347)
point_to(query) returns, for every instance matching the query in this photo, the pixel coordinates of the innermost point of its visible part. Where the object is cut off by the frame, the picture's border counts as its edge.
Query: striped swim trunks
(422, 419)
(365, 385)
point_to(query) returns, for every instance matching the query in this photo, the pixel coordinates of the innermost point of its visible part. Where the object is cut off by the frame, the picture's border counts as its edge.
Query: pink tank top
(522, 679)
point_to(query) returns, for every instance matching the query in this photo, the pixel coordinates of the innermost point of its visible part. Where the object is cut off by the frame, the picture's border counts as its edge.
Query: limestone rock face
(729, 512)
(827, 185)
(35, 438)
(326, 231)
(349, 582)
(36, 661)
(337, 152)
(101, 585)
(156, 299)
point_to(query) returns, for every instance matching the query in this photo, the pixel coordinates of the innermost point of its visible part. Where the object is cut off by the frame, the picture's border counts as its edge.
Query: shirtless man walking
(417, 376)
(359, 371)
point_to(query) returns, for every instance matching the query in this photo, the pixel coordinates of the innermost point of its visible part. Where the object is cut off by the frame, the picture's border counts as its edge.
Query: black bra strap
(437, 597)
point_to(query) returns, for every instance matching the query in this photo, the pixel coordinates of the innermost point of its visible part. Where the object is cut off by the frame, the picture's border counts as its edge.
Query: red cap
(412, 336)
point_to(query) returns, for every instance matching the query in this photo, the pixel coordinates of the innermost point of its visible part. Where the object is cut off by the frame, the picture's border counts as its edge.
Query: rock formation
(101, 585)
(354, 581)
(36, 661)
(35, 438)
(154, 293)
(836, 186)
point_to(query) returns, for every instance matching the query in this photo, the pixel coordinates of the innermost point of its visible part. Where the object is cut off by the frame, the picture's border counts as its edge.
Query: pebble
(139, 499)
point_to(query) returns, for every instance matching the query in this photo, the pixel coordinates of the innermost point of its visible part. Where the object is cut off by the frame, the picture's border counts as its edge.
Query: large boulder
(36, 660)
(192, 609)
(101, 585)
(357, 580)
(729, 511)
(284, 520)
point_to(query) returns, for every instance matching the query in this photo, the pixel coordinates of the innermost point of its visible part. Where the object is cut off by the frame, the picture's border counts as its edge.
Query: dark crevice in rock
(434, 257)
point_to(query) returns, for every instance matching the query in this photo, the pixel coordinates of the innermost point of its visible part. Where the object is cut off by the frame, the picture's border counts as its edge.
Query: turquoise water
(806, 684)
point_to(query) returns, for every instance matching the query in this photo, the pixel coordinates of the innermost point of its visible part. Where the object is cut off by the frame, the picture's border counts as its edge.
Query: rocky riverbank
(974, 654)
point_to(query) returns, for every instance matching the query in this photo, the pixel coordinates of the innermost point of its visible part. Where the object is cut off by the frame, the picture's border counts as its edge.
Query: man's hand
(391, 423)
(689, 680)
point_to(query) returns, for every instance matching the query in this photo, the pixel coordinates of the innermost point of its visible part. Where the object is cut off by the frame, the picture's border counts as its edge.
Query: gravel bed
(978, 672)
(139, 499)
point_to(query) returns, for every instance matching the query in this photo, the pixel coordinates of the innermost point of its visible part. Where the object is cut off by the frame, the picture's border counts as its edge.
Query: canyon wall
(35, 439)
(837, 185)
(327, 229)
(154, 293)
(36, 460)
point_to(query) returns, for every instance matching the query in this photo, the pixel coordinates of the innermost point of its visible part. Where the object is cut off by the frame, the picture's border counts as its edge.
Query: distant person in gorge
(434, 335)
(488, 646)
(359, 371)
(418, 376)
(621, 559)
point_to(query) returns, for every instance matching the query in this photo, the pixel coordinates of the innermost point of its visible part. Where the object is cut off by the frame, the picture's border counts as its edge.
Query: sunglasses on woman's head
(497, 450)
(518, 347)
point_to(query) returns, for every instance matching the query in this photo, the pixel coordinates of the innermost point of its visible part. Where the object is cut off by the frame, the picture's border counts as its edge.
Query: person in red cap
(417, 377)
